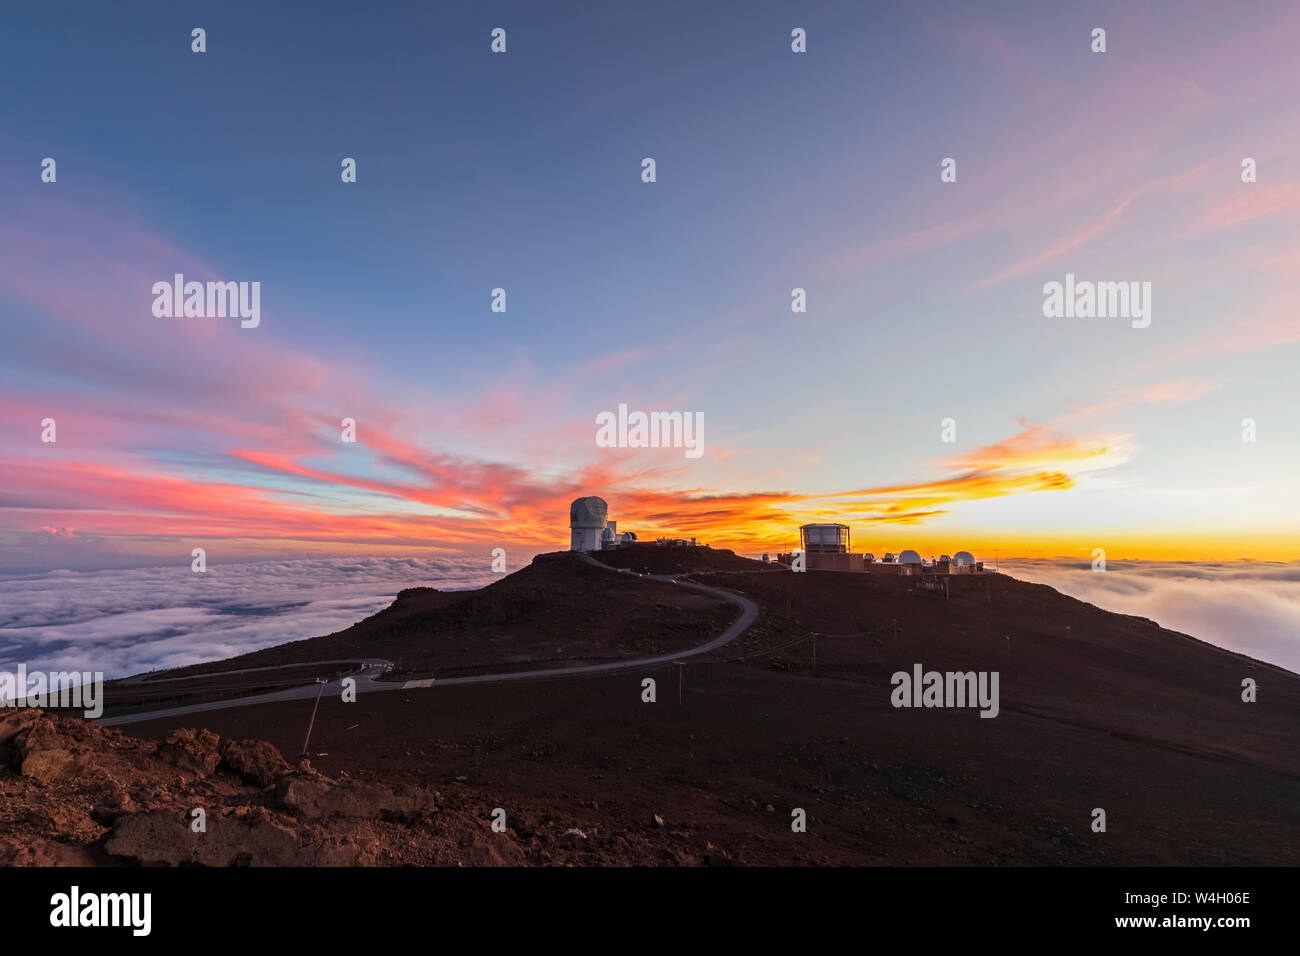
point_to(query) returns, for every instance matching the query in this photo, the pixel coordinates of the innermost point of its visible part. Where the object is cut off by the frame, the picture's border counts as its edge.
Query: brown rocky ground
(1097, 710)
(72, 793)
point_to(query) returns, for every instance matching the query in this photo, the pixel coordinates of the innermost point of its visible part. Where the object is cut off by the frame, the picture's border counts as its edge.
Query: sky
(522, 170)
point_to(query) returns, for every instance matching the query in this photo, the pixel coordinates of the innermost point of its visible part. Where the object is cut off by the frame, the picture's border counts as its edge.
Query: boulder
(50, 765)
(238, 839)
(316, 797)
(255, 761)
(197, 751)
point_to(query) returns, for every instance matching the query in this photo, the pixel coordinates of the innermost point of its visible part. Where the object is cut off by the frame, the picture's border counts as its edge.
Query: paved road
(367, 683)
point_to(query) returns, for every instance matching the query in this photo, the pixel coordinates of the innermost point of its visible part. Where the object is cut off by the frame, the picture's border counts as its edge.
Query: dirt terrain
(75, 794)
(1097, 710)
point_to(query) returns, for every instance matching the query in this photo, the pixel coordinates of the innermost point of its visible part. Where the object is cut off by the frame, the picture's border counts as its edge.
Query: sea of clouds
(1252, 607)
(126, 622)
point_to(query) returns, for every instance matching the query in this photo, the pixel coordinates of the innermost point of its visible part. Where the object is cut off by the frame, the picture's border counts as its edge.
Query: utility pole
(312, 723)
(680, 670)
(894, 621)
(814, 653)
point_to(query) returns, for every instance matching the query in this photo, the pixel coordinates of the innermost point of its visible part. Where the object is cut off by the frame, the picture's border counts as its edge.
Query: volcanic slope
(558, 608)
(1097, 711)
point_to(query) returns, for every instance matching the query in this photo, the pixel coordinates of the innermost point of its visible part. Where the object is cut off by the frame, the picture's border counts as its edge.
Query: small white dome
(909, 557)
(963, 558)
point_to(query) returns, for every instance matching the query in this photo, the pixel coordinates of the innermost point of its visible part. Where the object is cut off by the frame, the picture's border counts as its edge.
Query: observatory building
(590, 528)
(825, 538)
(826, 548)
(587, 519)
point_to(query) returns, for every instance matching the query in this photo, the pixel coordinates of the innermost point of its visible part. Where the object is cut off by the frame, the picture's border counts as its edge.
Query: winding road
(368, 682)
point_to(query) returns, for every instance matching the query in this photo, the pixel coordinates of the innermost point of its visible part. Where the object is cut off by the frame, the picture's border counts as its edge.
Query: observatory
(825, 547)
(591, 530)
(963, 562)
(824, 538)
(587, 523)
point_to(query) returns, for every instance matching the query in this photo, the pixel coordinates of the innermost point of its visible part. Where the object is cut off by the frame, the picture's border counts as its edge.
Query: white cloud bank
(127, 621)
(124, 622)
(1252, 607)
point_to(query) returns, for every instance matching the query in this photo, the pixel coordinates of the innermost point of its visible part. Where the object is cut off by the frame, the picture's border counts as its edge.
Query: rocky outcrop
(75, 794)
(254, 761)
(244, 836)
(316, 797)
(198, 751)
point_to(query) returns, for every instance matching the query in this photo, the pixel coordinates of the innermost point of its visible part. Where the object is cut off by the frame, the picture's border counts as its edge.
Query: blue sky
(775, 170)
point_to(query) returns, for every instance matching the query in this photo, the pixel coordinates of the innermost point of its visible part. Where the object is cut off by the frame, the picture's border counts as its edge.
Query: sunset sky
(775, 170)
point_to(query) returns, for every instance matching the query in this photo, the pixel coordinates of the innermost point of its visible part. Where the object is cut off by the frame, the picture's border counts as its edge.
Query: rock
(316, 797)
(39, 748)
(255, 761)
(106, 814)
(197, 751)
(659, 821)
(52, 765)
(89, 796)
(39, 851)
(248, 839)
(480, 849)
(67, 822)
(16, 723)
(574, 831)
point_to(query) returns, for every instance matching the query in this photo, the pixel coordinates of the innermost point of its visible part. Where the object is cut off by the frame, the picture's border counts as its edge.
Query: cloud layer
(1251, 607)
(126, 622)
